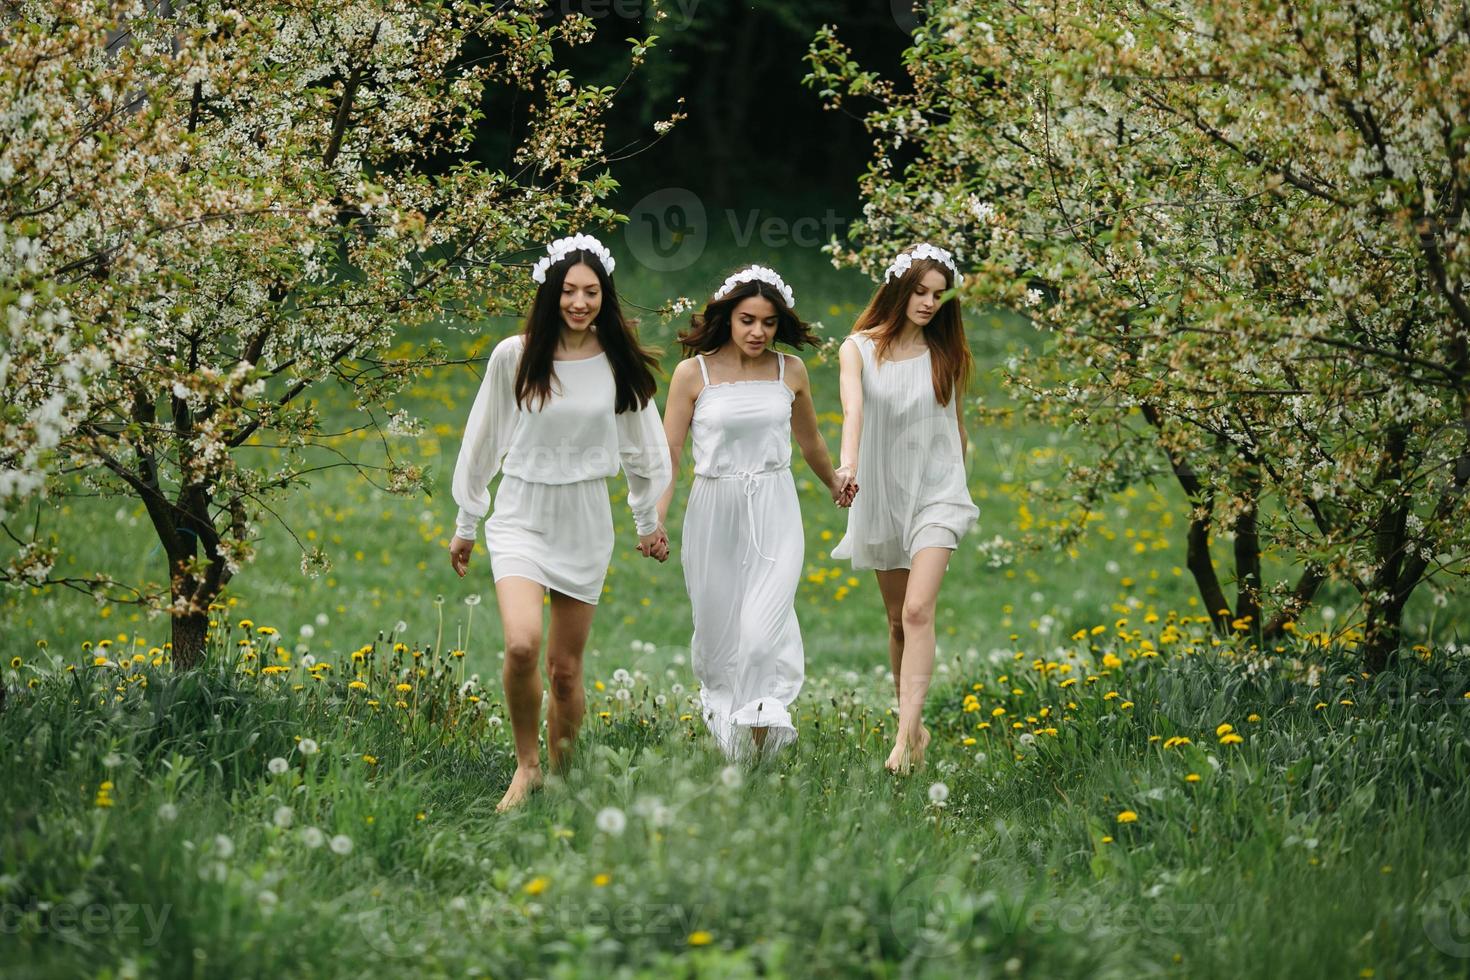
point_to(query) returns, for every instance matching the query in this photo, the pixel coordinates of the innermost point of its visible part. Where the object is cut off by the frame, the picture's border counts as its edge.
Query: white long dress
(911, 469)
(743, 550)
(552, 521)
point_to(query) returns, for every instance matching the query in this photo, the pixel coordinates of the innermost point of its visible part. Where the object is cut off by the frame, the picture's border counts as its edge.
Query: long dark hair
(710, 330)
(950, 362)
(632, 364)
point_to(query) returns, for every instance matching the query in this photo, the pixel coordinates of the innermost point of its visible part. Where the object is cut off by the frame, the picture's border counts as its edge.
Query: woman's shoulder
(509, 347)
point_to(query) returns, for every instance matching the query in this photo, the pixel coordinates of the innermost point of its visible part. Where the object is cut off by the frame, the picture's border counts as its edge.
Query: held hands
(844, 487)
(655, 544)
(459, 553)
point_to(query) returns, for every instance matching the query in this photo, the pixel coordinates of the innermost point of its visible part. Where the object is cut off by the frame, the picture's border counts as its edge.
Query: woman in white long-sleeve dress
(742, 544)
(904, 371)
(563, 406)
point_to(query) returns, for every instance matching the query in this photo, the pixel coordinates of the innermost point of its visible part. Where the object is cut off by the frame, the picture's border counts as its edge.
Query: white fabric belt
(750, 483)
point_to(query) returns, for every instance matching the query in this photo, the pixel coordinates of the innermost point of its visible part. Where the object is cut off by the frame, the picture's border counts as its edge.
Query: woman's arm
(850, 359)
(959, 417)
(804, 428)
(678, 412)
(487, 437)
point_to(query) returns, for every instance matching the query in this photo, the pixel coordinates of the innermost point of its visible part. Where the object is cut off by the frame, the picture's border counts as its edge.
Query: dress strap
(702, 370)
(781, 367)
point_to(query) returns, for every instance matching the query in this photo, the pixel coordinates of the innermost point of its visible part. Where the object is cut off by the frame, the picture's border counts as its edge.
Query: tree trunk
(1384, 635)
(190, 632)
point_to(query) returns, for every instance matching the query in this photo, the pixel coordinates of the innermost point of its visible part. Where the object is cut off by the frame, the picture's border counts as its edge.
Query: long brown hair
(950, 362)
(710, 330)
(632, 364)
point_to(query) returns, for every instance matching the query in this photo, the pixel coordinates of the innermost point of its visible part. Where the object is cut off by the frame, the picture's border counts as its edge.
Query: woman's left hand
(654, 544)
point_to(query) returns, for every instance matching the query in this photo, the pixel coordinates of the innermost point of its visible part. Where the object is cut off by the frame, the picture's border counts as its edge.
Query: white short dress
(552, 522)
(742, 550)
(912, 490)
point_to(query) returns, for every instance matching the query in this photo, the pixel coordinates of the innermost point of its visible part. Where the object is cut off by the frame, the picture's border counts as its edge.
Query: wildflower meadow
(1125, 778)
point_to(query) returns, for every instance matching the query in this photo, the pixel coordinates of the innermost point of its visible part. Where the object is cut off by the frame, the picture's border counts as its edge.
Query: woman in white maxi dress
(742, 541)
(563, 406)
(903, 375)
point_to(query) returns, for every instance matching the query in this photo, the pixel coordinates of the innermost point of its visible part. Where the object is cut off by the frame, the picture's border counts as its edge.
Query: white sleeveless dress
(743, 550)
(913, 493)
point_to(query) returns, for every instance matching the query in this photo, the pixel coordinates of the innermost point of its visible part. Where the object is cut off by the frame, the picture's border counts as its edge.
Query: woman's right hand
(846, 486)
(459, 553)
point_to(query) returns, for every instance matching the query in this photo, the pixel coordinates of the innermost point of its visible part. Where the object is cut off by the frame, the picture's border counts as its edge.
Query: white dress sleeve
(644, 451)
(487, 437)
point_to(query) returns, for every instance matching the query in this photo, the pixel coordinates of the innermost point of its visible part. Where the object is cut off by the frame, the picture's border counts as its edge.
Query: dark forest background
(755, 137)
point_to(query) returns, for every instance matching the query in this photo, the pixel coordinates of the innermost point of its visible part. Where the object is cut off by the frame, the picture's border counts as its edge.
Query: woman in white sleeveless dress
(904, 371)
(565, 404)
(742, 542)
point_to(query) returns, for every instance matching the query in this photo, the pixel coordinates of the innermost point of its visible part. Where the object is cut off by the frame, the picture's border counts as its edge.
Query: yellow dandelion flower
(1224, 729)
(700, 938)
(1127, 816)
(1192, 777)
(536, 885)
(602, 880)
(1231, 739)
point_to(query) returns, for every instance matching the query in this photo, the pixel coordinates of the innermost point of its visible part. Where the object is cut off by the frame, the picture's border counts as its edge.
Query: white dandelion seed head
(283, 817)
(611, 820)
(223, 846)
(341, 844)
(277, 766)
(313, 836)
(168, 813)
(308, 746)
(938, 793)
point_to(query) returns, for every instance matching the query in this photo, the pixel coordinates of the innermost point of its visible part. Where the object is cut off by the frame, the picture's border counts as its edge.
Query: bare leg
(520, 615)
(759, 735)
(922, 595)
(571, 622)
(893, 585)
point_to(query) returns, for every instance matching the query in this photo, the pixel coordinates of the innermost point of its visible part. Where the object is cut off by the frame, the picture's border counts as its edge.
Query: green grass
(1330, 841)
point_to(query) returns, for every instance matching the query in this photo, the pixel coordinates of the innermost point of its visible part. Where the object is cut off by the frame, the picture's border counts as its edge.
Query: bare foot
(522, 785)
(908, 756)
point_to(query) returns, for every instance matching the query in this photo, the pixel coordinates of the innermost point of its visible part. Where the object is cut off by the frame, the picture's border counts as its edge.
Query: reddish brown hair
(949, 353)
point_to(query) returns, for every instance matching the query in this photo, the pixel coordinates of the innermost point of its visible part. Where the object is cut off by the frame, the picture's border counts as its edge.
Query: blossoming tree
(209, 209)
(1243, 230)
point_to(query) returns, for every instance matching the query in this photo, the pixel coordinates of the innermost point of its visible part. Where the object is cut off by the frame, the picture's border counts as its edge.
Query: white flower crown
(563, 247)
(758, 272)
(905, 260)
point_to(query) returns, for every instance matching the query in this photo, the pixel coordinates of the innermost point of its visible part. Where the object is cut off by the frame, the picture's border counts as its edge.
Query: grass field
(1061, 828)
